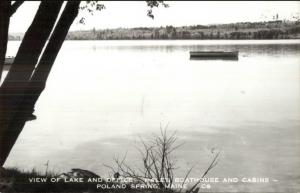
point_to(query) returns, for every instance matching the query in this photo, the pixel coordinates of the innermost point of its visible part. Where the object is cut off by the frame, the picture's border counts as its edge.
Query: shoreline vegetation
(277, 29)
(156, 174)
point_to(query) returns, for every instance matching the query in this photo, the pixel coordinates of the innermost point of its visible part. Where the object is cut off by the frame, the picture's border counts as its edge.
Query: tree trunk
(39, 78)
(4, 24)
(13, 8)
(13, 88)
(40, 75)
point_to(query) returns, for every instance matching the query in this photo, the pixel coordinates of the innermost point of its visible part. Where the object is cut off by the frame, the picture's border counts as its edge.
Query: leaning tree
(27, 76)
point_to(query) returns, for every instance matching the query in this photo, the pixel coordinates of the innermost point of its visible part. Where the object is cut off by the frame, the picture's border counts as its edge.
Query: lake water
(102, 95)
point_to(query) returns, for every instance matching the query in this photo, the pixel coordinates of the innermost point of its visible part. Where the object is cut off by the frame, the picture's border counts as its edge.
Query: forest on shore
(277, 29)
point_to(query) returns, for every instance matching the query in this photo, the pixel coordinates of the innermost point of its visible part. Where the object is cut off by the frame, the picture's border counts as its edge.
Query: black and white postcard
(149, 96)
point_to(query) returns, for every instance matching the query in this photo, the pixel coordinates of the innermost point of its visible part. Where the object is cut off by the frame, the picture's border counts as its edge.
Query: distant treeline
(259, 30)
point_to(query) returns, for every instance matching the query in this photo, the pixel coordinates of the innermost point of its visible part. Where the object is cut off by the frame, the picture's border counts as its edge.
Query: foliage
(259, 30)
(92, 6)
(153, 4)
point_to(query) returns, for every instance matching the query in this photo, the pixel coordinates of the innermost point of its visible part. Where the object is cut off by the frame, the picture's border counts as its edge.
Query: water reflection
(262, 47)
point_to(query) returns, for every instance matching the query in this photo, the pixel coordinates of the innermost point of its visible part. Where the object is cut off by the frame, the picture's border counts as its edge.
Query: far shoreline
(178, 40)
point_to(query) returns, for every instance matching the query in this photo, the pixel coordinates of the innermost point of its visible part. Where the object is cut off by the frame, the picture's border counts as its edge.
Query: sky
(134, 14)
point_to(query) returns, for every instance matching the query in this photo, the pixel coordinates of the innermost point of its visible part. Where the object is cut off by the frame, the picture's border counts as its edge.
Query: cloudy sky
(133, 14)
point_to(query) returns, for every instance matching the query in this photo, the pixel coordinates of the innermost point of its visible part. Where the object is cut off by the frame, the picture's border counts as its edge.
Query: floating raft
(214, 55)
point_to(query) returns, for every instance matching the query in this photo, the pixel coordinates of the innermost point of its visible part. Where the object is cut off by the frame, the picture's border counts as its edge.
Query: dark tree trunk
(13, 8)
(13, 88)
(4, 24)
(39, 78)
(33, 42)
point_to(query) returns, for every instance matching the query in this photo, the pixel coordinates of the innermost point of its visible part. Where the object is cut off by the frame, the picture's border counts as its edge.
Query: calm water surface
(102, 95)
